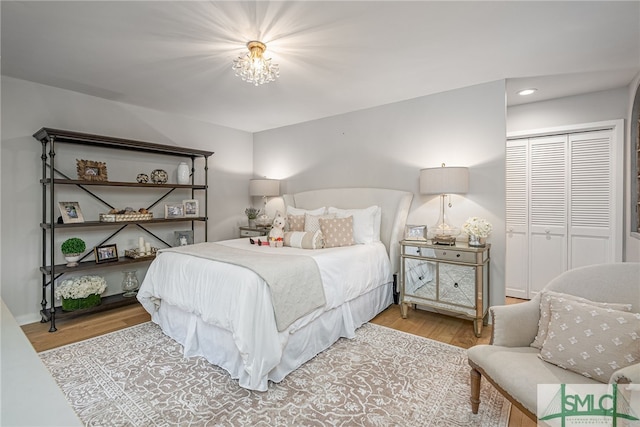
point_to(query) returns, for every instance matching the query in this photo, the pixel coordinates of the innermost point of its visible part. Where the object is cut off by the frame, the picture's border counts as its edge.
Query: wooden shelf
(92, 265)
(107, 303)
(46, 135)
(57, 181)
(106, 223)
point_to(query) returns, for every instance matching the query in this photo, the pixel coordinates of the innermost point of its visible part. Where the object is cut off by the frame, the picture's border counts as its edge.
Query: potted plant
(81, 292)
(252, 213)
(72, 249)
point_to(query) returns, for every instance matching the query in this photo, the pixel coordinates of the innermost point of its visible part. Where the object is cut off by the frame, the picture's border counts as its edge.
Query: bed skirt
(217, 345)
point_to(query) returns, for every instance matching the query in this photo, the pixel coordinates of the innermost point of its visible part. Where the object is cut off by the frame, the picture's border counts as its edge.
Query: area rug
(382, 377)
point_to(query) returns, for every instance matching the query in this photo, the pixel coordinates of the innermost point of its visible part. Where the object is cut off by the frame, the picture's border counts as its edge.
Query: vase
(72, 259)
(130, 283)
(72, 304)
(477, 241)
(183, 173)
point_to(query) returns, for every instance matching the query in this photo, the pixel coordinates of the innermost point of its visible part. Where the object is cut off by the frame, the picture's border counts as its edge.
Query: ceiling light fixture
(254, 67)
(525, 92)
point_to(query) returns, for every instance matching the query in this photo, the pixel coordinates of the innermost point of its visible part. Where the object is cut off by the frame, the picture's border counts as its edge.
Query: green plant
(73, 245)
(252, 213)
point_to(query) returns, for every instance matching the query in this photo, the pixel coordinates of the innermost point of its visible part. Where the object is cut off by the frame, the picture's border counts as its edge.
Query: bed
(206, 298)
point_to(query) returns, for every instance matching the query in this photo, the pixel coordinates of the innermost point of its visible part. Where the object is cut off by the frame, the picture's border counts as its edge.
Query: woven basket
(126, 217)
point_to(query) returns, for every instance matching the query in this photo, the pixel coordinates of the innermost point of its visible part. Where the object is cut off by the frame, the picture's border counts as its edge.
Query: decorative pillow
(297, 211)
(295, 222)
(304, 240)
(337, 232)
(366, 222)
(312, 222)
(591, 341)
(545, 311)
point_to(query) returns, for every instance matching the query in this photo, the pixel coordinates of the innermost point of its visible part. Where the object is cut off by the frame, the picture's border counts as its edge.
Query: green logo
(586, 404)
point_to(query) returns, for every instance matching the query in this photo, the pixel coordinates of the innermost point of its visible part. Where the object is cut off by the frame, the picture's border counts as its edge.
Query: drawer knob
(458, 255)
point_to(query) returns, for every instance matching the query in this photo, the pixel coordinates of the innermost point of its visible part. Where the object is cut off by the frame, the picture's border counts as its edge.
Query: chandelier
(255, 68)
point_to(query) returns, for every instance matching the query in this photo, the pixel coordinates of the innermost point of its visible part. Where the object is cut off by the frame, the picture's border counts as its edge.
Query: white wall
(388, 145)
(26, 107)
(592, 107)
(632, 240)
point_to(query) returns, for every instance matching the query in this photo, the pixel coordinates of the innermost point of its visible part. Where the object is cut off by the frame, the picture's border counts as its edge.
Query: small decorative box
(126, 217)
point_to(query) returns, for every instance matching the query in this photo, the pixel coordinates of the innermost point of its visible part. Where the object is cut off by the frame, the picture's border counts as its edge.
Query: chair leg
(475, 390)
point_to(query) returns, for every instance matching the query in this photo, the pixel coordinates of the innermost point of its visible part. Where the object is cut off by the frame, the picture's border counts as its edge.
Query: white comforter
(236, 299)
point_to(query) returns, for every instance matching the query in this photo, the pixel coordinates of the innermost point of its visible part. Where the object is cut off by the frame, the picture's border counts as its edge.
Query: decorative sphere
(159, 176)
(142, 178)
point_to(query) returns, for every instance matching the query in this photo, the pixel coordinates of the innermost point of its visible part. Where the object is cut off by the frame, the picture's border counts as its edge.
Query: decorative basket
(72, 304)
(126, 217)
(135, 253)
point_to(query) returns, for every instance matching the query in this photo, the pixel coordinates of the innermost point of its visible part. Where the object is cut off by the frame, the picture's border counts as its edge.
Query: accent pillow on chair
(545, 311)
(590, 340)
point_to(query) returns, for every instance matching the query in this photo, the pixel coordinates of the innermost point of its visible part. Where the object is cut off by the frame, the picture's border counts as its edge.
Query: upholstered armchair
(515, 368)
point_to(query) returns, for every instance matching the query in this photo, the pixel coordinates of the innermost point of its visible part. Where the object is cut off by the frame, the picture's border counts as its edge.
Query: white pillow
(366, 222)
(297, 211)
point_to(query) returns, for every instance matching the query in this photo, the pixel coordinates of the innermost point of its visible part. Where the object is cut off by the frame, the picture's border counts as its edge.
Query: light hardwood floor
(450, 330)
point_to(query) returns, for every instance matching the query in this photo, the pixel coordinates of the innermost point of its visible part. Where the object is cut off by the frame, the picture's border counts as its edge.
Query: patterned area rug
(138, 377)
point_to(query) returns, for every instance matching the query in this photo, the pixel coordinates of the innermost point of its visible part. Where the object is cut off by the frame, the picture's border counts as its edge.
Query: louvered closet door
(547, 210)
(517, 219)
(591, 201)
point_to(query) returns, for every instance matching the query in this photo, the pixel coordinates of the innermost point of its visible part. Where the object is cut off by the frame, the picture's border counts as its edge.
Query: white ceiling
(334, 56)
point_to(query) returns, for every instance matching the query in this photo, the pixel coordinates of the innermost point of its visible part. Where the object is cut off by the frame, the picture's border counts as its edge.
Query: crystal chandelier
(255, 68)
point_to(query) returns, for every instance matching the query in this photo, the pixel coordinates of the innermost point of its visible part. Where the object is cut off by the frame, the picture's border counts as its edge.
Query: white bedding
(242, 306)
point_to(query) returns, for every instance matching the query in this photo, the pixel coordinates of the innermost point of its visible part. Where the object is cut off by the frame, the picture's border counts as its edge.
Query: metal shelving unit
(52, 177)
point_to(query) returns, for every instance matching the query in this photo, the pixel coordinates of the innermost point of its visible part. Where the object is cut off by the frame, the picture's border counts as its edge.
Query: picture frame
(89, 170)
(183, 238)
(191, 208)
(173, 210)
(415, 232)
(106, 253)
(70, 212)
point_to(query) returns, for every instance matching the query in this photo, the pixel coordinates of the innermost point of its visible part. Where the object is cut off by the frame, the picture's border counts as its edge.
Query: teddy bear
(276, 234)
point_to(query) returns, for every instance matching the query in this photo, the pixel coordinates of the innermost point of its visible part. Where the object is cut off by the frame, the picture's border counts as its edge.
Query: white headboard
(395, 206)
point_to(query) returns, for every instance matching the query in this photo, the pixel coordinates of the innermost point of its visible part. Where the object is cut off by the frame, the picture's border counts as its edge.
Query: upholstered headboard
(394, 204)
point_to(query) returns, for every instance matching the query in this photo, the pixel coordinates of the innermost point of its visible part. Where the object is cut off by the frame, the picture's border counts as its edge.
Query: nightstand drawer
(251, 233)
(453, 255)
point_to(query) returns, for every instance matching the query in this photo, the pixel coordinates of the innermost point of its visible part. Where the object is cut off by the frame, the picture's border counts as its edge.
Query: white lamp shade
(264, 187)
(444, 180)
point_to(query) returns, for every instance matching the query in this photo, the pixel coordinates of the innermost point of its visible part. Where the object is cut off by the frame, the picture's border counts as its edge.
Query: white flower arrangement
(477, 227)
(81, 287)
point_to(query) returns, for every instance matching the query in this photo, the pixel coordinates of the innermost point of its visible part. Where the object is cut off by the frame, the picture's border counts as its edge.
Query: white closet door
(547, 210)
(517, 219)
(592, 201)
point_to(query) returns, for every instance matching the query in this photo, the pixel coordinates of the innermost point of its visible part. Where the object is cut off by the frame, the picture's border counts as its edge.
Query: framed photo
(415, 232)
(70, 212)
(174, 210)
(183, 238)
(191, 209)
(88, 170)
(106, 253)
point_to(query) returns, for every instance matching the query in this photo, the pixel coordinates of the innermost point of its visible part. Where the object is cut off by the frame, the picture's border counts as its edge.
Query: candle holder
(130, 283)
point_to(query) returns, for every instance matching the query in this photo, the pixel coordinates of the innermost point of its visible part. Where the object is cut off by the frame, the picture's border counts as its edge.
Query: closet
(564, 203)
